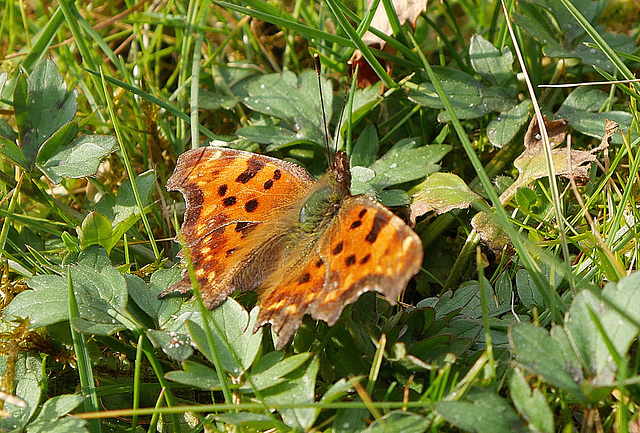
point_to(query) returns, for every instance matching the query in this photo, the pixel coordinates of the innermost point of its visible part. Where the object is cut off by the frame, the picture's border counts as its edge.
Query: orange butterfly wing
(229, 195)
(365, 248)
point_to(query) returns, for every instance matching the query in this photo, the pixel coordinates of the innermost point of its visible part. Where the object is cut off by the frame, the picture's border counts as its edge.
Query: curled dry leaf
(532, 165)
(407, 10)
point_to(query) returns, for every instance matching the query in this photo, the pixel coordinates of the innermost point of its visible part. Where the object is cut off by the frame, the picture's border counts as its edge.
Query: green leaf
(236, 326)
(541, 354)
(300, 388)
(582, 110)
(94, 257)
(361, 178)
(252, 421)
(62, 137)
(502, 129)
(399, 421)
(494, 66)
(296, 100)
(161, 280)
(401, 165)
(469, 97)
(366, 148)
(102, 299)
(208, 100)
(175, 345)
(10, 150)
(78, 159)
(29, 389)
(58, 406)
(588, 339)
(277, 137)
(275, 374)
(440, 192)
(481, 411)
(195, 375)
(45, 304)
(63, 425)
(42, 105)
(145, 296)
(95, 230)
(530, 403)
(527, 290)
(350, 420)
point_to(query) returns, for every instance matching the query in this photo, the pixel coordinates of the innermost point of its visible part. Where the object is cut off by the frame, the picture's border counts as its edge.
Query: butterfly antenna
(316, 58)
(344, 106)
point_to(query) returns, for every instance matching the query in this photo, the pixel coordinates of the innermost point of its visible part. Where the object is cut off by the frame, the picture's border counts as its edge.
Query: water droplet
(246, 99)
(267, 108)
(394, 165)
(346, 425)
(262, 86)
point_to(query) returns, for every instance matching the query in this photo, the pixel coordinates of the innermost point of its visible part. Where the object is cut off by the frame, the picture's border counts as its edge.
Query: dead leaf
(532, 165)
(407, 10)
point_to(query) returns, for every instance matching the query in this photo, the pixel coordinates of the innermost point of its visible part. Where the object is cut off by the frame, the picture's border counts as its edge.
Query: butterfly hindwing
(364, 248)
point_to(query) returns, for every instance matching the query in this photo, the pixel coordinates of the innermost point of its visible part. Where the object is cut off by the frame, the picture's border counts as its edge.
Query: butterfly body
(309, 247)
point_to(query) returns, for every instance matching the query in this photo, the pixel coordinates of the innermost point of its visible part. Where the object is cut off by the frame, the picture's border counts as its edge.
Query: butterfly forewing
(229, 194)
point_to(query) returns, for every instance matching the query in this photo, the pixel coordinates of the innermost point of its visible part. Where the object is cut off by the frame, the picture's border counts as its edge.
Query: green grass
(525, 316)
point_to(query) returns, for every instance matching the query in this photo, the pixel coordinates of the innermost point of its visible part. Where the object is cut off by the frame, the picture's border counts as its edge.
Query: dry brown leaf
(407, 10)
(532, 165)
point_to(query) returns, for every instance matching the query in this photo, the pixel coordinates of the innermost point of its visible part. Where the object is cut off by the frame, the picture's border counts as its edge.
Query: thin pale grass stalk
(154, 100)
(87, 382)
(587, 215)
(195, 83)
(483, 283)
(505, 222)
(551, 172)
(226, 407)
(129, 168)
(136, 384)
(368, 401)
(374, 371)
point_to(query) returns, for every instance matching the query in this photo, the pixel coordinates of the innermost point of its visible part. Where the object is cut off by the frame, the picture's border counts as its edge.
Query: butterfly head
(339, 170)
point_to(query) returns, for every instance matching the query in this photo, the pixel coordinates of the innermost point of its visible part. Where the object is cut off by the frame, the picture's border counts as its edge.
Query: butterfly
(253, 222)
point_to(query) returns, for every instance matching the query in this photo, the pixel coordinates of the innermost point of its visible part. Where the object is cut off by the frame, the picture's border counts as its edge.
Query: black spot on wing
(277, 175)
(254, 166)
(350, 260)
(222, 190)
(379, 221)
(268, 184)
(305, 278)
(337, 249)
(251, 205)
(229, 201)
(356, 224)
